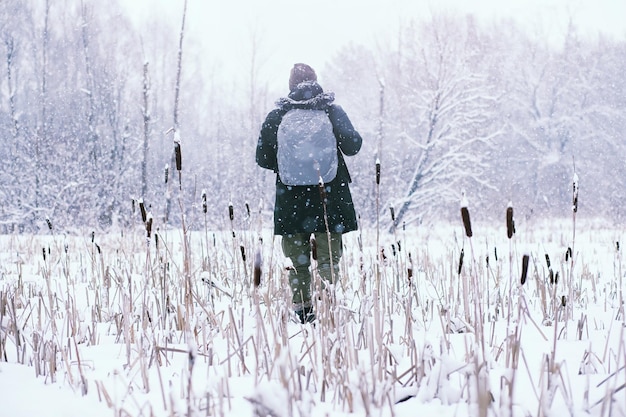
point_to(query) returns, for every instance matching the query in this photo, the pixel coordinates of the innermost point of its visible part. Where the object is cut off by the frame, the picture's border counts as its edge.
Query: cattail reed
(231, 216)
(510, 223)
(178, 154)
(525, 260)
(179, 159)
(575, 193)
(466, 217)
(149, 225)
(550, 271)
(142, 209)
(258, 263)
(377, 171)
(466, 221)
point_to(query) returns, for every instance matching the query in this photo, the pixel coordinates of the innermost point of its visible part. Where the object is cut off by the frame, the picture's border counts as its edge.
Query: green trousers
(297, 247)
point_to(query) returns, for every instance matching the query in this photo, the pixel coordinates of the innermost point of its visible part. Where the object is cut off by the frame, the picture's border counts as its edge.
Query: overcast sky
(311, 31)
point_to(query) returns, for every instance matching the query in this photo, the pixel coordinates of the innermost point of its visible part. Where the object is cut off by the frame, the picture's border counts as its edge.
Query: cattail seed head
(377, 171)
(166, 172)
(231, 212)
(257, 276)
(495, 253)
(467, 224)
(149, 225)
(258, 264)
(142, 209)
(510, 223)
(617, 246)
(243, 252)
(247, 209)
(568, 254)
(392, 212)
(548, 260)
(466, 221)
(49, 223)
(178, 154)
(93, 235)
(204, 205)
(575, 193)
(43, 250)
(409, 270)
(525, 260)
(461, 261)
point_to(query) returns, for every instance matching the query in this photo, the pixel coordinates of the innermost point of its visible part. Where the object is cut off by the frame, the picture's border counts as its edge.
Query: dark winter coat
(299, 209)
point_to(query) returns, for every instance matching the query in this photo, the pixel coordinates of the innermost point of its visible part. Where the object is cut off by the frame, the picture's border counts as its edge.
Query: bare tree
(563, 118)
(449, 108)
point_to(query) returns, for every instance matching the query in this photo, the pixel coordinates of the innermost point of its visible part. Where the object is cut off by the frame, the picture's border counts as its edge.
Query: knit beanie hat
(299, 74)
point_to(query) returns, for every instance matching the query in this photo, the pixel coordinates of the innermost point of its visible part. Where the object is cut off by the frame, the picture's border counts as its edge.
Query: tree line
(447, 106)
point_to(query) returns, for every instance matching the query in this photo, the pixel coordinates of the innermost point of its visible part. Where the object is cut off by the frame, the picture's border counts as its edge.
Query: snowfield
(434, 324)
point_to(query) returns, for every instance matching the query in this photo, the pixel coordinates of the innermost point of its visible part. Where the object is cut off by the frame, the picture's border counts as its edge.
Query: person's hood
(308, 95)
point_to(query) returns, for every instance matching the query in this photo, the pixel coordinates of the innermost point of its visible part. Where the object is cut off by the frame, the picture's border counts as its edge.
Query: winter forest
(87, 110)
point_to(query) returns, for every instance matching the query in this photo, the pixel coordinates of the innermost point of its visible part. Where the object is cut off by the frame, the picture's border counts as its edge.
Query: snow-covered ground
(118, 326)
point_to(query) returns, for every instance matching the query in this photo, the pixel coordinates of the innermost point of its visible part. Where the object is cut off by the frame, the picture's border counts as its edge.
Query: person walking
(304, 140)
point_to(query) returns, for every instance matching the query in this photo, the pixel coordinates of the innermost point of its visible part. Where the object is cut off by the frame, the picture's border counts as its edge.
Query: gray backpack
(307, 148)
